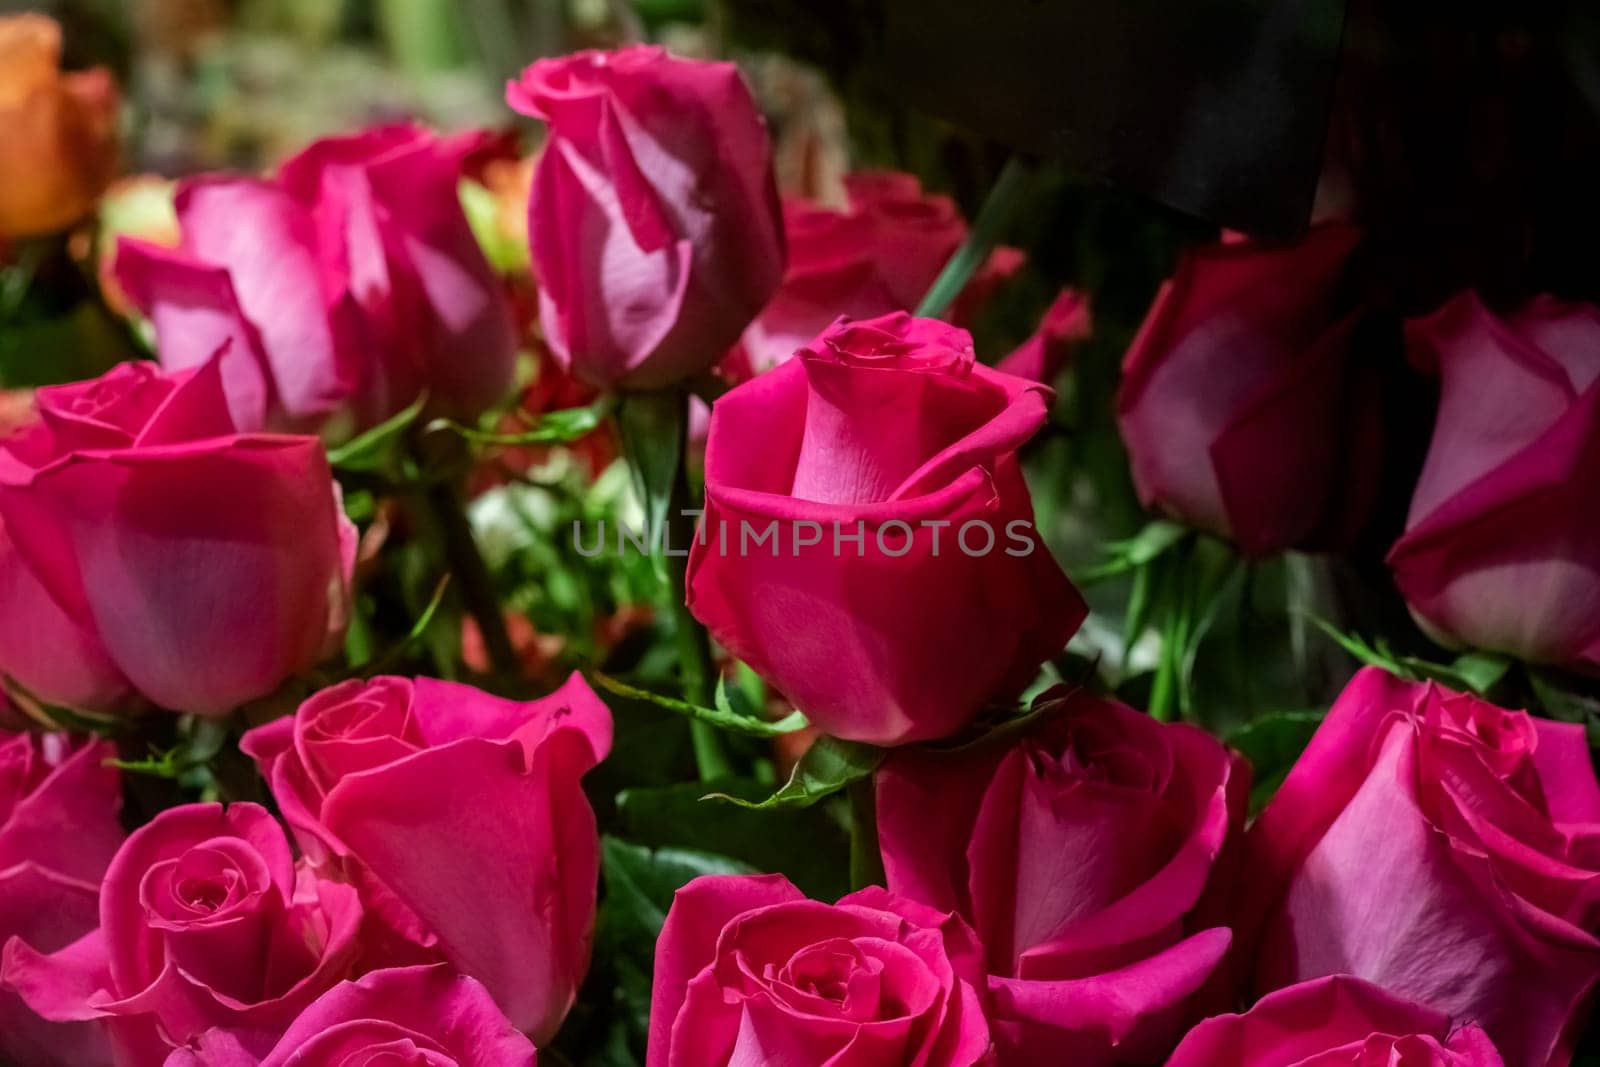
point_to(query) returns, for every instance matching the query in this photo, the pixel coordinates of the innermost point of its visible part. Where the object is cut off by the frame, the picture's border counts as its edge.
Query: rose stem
(694, 644)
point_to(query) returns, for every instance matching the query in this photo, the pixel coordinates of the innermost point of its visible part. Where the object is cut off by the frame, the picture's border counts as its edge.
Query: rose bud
(1091, 858)
(58, 131)
(58, 831)
(880, 254)
(868, 543)
(204, 922)
(423, 1015)
(1244, 407)
(351, 283)
(749, 971)
(654, 221)
(1335, 1020)
(149, 549)
(1441, 847)
(388, 781)
(1500, 550)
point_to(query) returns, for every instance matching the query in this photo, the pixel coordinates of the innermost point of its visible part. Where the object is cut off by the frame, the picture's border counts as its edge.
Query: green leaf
(1143, 548)
(640, 882)
(1371, 655)
(1480, 671)
(551, 428)
(652, 426)
(1272, 744)
(680, 816)
(827, 767)
(1559, 701)
(375, 450)
(723, 716)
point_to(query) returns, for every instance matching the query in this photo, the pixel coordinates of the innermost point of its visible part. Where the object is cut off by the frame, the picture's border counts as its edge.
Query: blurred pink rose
(204, 922)
(750, 971)
(428, 794)
(881, 254)
(410, 1015)
(1443, 848)
(1335, 1020)
(349, 283)
(654, 222)
(1500, 548)
(1044, 355)
(1246, 411)
(890, 432)
(58, 831)
(1092, 857)
(147, 548)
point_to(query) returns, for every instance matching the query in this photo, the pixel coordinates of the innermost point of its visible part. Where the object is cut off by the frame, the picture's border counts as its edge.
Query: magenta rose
(868, 542)
(149, 550)
(1334, 1022)
(58, 831)
(881, 253)
(1443, 848)
(349, 283)
(1244, 407)
(654, 222)
(428, 794)
(427, 1016)
(204, 922)
(1500, 548)
(1090, 858)
(750, 971)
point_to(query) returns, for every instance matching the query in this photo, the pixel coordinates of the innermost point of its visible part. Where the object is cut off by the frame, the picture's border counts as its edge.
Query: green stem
(472, 576)
(698, 672)
(993, 216)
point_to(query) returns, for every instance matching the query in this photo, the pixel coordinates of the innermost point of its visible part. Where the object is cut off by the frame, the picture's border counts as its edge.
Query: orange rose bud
(57, 131)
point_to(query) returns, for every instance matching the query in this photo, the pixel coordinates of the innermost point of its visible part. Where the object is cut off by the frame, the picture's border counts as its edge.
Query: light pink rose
(429, 794)
(1500, 548)
(654, 221)
(888, 431)
(58, 831)
(1335, 1022)
(749, 971)
(350, 282)
(1444, 848)
(149, 550)
(410, 1015)
(1092, 857)
(204, 922)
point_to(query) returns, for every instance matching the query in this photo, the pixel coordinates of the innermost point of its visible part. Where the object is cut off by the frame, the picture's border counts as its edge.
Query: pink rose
(149, 549)
(350, 281)
(900, 584)
(750, 971)
(1443, 848)
(58, 831)
(409, 1015)
(204, 922)
(1044, 355)
(1334, 1021)
(1244, 406)
(1091, 858)
(428, 794)
(1500, 549)
(654, 222)
(881, 254)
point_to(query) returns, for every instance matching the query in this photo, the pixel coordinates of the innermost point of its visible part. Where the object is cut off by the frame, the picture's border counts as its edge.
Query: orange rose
(57, 131)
